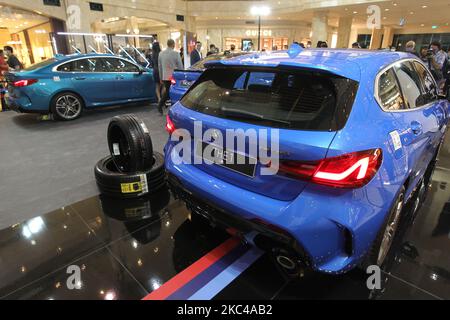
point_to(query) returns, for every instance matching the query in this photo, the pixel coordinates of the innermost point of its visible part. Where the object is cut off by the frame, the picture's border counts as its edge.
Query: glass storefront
(422, 40)
(266, 43)
(28, 33)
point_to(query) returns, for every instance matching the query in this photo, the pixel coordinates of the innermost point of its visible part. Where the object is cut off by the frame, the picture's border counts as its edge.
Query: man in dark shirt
(196, 54)
(12, 62)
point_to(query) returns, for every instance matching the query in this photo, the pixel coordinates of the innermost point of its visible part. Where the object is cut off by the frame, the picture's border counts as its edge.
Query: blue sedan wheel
(67, 106)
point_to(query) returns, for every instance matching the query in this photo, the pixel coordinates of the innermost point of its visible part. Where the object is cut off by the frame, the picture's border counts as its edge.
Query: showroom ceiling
(16, 20)
(413, 12)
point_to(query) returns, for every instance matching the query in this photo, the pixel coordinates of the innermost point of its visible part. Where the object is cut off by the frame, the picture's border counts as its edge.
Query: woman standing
(156, 49)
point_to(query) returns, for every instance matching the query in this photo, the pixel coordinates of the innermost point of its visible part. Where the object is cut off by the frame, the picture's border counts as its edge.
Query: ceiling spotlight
(424, 7)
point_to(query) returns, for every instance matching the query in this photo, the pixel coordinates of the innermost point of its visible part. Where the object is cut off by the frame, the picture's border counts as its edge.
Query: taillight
(24, 82)
(352, 170)
(170, 126)
(173, 81)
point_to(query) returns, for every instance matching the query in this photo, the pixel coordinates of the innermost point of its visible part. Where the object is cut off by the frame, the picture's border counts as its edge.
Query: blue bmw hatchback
(359, 133)
(65, 85)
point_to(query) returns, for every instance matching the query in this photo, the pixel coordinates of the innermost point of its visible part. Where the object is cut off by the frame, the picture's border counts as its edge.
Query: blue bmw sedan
(65, 85)
(357, 136)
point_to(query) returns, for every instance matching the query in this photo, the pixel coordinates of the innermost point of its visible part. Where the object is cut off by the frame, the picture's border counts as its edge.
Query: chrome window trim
(382, 71)
(54, 69)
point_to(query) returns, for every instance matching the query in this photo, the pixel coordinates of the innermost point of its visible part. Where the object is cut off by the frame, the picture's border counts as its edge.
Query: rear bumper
(265, 236)
(22, 105)
(332, 230)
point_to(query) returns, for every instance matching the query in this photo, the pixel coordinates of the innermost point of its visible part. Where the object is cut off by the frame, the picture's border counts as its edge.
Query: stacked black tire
(132, 169)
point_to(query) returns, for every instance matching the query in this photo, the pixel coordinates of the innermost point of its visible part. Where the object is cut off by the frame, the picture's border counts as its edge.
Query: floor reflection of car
(65, 85)
(182, 80)
(359, 133)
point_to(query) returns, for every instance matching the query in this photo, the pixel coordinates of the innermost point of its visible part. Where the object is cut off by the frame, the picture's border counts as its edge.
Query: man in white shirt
(168, 61)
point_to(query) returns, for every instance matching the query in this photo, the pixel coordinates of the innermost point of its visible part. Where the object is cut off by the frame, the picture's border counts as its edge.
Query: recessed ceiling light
(394, 4)
(355, 12)
(387, 9)
(412, 12)
(422, 25)
(384, 18)
(424, 7)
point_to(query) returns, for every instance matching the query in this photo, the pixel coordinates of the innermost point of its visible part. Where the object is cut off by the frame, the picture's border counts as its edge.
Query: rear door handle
(119, 77)
(416, 128)
(80, 78)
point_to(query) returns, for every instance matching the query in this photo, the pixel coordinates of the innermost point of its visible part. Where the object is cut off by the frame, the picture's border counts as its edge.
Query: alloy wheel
(68, 107)
(390, 231)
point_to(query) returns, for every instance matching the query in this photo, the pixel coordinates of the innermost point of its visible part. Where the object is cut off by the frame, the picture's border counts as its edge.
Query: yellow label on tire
(131, 187)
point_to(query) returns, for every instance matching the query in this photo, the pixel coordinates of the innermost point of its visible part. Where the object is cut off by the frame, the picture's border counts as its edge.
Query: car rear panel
(299, 123)
(293, 145)
(34, 97)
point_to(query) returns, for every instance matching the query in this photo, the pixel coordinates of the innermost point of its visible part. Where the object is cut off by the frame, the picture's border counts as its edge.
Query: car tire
(121, 185)
(382, 244)
(66, 106)
(130, 144)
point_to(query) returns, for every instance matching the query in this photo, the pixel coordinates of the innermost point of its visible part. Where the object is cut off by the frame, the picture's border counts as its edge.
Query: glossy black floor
(127, 249)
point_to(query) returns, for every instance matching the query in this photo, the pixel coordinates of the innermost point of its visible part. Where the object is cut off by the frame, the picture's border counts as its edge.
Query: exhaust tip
(286, 262)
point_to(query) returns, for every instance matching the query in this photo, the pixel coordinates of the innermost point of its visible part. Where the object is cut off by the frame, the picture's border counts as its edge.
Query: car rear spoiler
(190, 71)
(345, 73)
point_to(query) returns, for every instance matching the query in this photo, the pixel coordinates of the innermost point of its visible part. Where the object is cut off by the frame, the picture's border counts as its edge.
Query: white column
(344, 32)
(319, 27)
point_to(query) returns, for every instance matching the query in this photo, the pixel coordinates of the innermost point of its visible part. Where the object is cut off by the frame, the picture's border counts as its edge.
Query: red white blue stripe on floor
(208, 276)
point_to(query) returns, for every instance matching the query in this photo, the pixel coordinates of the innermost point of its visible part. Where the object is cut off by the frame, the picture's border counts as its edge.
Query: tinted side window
(119, 65)
(410, 84)
(429, 86)
(83, 65)
(389, 92)
(67, 67)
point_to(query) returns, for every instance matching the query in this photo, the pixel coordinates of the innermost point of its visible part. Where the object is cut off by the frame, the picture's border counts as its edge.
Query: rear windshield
(41, 64)
(301, 100)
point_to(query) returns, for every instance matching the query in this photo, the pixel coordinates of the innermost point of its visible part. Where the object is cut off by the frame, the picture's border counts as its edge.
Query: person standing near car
(3, 68)
(437, 59)
(196, 54)
(168, 61)
(411, 48)
(13, 62)
(156, 50)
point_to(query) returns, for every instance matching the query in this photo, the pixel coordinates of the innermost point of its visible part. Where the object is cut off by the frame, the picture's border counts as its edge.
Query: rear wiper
(250, 115)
